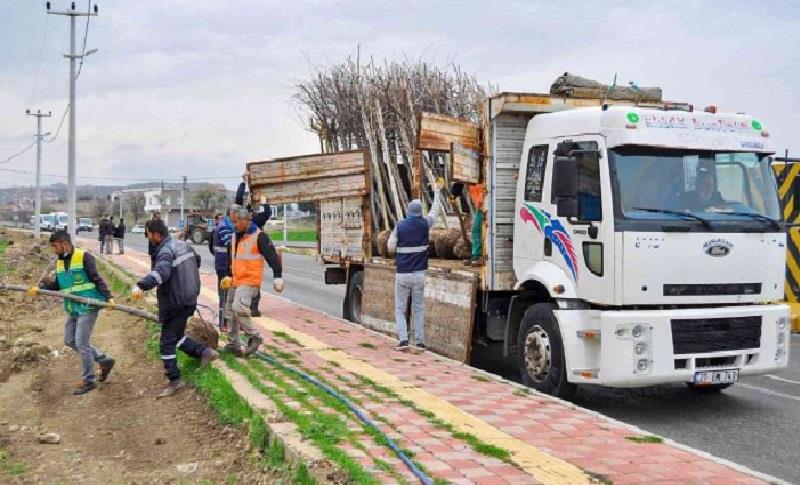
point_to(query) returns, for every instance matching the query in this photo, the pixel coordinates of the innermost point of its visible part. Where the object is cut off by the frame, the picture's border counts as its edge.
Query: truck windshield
(659, 183)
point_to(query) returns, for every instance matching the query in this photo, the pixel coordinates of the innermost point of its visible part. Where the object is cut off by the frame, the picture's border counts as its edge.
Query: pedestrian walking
(219, 247)
(175, 271)
(260, 214)
(76, 274)
(109, 242)
(251, 247)
(409, 239)
(119, 235)
(101, 233)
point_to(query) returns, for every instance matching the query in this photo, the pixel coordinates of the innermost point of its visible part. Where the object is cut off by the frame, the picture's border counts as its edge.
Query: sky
(200, 87)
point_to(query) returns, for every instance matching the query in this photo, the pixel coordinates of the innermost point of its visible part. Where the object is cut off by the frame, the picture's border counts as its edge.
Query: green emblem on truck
(756, 125)
(633, 117)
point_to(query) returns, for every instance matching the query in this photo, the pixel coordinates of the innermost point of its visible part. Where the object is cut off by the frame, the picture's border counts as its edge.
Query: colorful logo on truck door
(554, 231)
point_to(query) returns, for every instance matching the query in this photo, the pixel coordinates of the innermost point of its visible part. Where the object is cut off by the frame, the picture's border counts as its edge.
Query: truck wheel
(355, 291)
(198, 236)
(540, 353)
(708, 388)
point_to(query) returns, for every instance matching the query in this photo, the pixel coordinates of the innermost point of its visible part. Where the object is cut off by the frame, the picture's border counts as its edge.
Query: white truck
(626, 245)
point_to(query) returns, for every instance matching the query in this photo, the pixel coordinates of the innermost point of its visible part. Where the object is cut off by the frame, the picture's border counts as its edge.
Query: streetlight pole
(71, 197)
(37, 210)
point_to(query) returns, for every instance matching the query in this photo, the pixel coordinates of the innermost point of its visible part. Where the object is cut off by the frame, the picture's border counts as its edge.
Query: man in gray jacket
(175, 272)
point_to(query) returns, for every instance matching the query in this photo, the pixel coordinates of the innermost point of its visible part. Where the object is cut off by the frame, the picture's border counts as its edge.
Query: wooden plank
(438, 132)
(465, 164)
(342, 228)
(449, 306)
(309, 177)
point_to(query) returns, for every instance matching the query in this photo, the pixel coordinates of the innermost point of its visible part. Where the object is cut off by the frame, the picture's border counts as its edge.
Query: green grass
(9, 466)
(522, 392)
(305, 235)
(481, 378)
(285, 336)
(367, 345)
(645, 439)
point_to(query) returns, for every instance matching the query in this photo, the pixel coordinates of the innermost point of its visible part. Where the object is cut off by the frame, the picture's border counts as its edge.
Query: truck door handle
(548, 247)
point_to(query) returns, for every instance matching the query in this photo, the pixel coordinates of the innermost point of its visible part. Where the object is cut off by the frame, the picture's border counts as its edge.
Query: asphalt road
(755, 423)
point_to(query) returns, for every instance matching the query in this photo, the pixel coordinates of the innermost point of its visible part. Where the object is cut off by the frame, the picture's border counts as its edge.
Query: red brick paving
(593, 443)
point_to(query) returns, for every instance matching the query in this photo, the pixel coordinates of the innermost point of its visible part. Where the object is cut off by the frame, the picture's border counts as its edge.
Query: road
(755, 423)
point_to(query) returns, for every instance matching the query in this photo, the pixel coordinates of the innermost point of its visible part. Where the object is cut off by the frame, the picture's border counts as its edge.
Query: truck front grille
(703, 335)
(716, 289)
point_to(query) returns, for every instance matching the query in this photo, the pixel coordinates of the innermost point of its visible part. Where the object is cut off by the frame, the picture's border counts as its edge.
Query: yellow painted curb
(542, 466)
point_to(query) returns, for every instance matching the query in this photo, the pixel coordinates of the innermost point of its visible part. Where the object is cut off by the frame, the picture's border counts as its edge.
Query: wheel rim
(537, 354)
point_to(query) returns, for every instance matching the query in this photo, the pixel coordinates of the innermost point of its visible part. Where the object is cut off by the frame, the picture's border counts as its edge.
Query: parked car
(138, 229)
(84, 224)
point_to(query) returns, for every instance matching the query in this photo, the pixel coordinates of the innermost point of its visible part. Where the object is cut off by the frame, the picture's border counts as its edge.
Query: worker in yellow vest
(76, 274)
(250, 248)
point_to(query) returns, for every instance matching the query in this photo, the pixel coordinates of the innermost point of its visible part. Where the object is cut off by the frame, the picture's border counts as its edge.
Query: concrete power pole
(37, 210)
(71, 197)
(182, 224)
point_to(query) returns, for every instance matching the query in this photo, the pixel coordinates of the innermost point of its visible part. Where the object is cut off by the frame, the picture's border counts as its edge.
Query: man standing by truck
(250, 248)
(76, 274)
(409, 239)
(260, 218)
(175, 272)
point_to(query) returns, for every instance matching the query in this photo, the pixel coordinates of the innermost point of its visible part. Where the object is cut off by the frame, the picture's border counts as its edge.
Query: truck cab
(649, 247)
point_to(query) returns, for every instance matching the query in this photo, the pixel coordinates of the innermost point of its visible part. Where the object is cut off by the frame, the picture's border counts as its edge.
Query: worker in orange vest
(251, 247)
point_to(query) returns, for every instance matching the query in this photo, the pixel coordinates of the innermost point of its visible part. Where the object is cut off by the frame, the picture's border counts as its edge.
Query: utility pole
(37, 210)
(71, 197)
(120, 204)
(285, 227)
(183, 193)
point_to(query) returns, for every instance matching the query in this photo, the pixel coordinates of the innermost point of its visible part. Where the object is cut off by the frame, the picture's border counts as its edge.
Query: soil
(118, 433)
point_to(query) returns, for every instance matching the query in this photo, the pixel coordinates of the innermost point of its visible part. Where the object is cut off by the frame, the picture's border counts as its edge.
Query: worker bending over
(175, 271)
(251, 247)
(76, 274)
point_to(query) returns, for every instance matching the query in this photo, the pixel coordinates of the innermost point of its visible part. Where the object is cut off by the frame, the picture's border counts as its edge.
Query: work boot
(84, 387)
(105, 368)
(223, 326)
(402, 346)
(207, 356)
(419, 348)
(236, 350)
(255, 313)
(252, 344)
(172, 388)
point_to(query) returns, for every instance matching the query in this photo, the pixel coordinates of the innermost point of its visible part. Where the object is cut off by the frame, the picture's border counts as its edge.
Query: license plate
(728, 376)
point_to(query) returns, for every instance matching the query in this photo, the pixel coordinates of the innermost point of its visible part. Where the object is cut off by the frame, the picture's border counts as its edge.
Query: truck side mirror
(565, 185)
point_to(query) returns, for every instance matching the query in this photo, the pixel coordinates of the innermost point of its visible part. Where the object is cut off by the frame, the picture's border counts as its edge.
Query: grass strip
(324, 430)
(13, 468)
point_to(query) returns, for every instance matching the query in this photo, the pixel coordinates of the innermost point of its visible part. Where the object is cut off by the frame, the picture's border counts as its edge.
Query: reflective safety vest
(412, 245)
(248, 263)
(75, 281)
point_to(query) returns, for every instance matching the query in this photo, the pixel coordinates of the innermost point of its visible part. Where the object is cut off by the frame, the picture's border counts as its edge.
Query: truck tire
(198, 236)
(355, 291)
(540, 353)
(707, 389)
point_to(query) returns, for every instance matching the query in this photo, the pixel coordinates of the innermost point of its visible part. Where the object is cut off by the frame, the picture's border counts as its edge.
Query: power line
(85, 36)
(60, 124)
(18, 153)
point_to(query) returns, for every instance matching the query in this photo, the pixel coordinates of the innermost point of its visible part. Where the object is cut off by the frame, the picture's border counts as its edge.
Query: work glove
(33, 291)
(226, 283)
(111, 304)
(440, 183)
(137, 293)
(277, 284)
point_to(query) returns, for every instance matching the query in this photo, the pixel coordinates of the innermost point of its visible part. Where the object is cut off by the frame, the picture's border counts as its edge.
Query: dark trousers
(223, 297)
(255, 302)
(173, 326)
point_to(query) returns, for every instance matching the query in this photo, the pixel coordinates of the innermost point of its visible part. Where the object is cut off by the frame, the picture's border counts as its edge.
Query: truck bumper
(639, 348)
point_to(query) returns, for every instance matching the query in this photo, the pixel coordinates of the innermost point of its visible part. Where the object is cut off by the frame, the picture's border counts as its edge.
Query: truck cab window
(589, 200)
(534, 179)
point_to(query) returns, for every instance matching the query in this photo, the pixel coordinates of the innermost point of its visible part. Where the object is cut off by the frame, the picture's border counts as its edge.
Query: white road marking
(768, 391)
(781, 379)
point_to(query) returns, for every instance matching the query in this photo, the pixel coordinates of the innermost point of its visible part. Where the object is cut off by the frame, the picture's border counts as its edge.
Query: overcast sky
(200, 87)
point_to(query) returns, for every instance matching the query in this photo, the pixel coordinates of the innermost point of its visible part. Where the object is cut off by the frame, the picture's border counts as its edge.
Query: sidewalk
(460, 424)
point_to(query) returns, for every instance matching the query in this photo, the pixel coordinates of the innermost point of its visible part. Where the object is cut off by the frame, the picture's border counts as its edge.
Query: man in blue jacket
(409, 239)
(175, 272)
(219, 246)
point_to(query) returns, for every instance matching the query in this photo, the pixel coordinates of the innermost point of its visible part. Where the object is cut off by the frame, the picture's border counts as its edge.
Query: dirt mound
(202, 331)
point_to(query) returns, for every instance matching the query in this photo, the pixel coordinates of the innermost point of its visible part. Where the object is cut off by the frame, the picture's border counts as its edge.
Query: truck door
(580, 244)
(528, 241)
